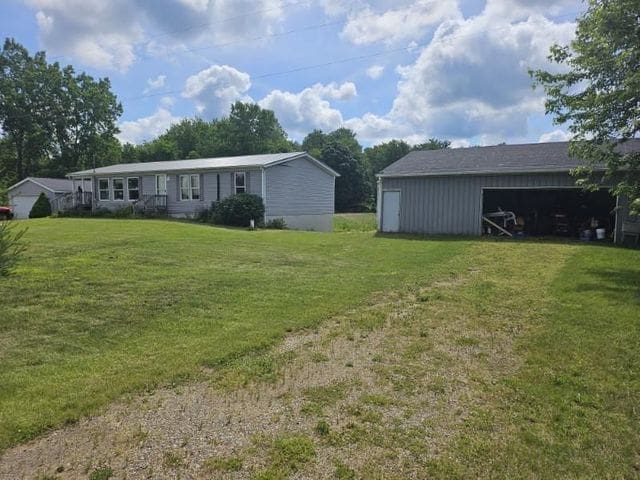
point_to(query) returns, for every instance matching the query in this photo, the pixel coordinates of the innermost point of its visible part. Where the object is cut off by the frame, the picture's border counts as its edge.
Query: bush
(276, 224)
(42, 207)
(11, 247)
(238, 209)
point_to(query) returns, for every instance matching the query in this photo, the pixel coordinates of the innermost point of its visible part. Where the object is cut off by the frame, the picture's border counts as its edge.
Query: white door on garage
(22, 205)
(390, 211)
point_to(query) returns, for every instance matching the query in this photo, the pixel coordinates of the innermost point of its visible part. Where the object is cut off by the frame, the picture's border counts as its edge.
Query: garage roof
(524, 158)
(55, 185)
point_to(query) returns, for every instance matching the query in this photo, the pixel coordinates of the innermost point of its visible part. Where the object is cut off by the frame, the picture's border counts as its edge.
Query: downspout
(264, 194)
(379, 203)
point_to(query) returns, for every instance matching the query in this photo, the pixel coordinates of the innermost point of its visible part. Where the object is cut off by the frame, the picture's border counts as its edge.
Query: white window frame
(235, 182)
(193, 185)
(158, 176)
(113, 188)
(108, 190)
(137, 179)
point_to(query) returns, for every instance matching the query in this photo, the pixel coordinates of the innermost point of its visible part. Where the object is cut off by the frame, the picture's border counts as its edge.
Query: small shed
(478, 190)
(24, 194)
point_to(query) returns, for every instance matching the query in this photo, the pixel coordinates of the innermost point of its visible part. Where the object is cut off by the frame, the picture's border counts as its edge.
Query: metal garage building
(450, 191)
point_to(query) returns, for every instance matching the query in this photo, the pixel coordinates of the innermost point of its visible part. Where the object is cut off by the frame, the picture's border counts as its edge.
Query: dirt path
(377, 393)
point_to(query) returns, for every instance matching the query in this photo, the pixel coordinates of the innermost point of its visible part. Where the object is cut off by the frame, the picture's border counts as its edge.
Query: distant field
(402, 357)
(354, 222)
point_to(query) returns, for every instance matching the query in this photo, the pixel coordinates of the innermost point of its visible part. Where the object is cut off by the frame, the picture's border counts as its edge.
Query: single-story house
(24, 194)
(479, 190)
(294, 186)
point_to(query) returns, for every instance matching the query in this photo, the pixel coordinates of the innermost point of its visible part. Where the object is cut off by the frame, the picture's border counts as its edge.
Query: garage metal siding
(453, 204)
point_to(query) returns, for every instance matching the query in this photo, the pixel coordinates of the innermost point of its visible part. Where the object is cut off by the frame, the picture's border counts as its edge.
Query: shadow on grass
(623, 284)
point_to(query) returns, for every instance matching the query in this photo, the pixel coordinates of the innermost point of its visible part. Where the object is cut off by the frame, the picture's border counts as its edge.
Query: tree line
(54, 121)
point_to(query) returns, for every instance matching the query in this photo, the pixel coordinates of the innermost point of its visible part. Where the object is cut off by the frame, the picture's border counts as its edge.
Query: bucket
(601, 233)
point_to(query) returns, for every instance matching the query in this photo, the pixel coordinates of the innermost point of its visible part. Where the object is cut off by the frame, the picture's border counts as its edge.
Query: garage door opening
(543, 212)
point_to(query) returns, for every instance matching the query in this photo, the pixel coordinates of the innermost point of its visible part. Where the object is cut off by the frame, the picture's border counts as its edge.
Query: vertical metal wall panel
(453, 204)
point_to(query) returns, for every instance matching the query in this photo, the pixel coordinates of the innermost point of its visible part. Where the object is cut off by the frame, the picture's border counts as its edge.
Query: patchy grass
(571, 410)
(101, 308)
(224, 464)
(354, 222)
(503, 359)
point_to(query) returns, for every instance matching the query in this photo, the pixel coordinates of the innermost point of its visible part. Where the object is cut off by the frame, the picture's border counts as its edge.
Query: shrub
(276, 224)
(238, 209)
(42, 207)
(11, 247)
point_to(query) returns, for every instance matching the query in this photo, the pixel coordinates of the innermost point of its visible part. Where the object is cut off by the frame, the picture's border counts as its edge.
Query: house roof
(55, 185)
(243, 161)
(525, 158)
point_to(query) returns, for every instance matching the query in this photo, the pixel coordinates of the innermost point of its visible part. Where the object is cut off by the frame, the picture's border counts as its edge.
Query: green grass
(542, 337)
(571, 410)
(354, 222)
(101, 308)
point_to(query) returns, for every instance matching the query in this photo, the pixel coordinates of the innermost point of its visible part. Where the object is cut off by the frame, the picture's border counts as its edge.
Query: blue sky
(387, 69)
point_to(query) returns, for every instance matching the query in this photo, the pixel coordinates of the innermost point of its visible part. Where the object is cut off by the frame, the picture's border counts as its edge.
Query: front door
(161, 184)
(390, 211)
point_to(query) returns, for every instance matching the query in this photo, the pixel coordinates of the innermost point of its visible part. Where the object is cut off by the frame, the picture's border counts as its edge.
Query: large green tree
(597, 94)
(54, 119)
(382, 155)
(341, 150)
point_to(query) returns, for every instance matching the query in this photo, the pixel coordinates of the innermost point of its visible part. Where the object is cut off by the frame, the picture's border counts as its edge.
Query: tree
(597, 94)
(353, 191)
(250, 129)
(11, 247)
(26, 105)
(433, 144)
(381, 156)
(54, 120)
(41, 208)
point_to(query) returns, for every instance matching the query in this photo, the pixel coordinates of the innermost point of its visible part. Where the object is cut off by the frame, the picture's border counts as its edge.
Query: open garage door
(567, 212)
(22, 205)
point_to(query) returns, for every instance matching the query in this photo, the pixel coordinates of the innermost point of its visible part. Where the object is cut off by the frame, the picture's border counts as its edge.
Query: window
(240, 182)
(103, 188)
(133, 188)
(189, 187)
(118, 188)
(161, 184)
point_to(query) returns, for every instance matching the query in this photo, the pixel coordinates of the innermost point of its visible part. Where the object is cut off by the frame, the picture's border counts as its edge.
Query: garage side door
(390, 211)
(22, 205)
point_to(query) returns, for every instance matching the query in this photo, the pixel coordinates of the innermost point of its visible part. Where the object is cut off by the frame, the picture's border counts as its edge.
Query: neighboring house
(24, 194)
(454, 191)
(294, 186)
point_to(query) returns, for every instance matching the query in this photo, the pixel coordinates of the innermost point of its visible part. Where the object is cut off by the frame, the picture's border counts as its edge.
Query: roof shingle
(532, 157)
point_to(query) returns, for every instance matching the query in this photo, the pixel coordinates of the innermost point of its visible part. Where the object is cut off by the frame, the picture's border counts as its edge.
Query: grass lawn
(104, 307)
(453, 358)
(354, 222)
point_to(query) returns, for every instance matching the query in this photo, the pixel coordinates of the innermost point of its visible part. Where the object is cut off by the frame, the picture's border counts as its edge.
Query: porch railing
(152, 203)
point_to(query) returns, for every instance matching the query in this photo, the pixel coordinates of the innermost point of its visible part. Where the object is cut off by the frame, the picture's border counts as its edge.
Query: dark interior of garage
(549, 212)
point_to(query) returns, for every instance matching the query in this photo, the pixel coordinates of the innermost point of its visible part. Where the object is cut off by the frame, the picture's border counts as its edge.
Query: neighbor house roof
(525, 158)
(243, 161)
(55, 185)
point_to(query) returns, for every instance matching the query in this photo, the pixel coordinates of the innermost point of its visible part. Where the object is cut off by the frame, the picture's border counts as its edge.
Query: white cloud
(555, 136)
(301, 112)
(403, 23)
(146, 128)
(97, 33)
(375, 71)
(155, 83)
(214, 89)
(106, 34)
(167, 101)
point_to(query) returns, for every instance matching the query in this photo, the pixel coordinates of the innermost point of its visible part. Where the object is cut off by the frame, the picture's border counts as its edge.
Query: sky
(451, 69)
